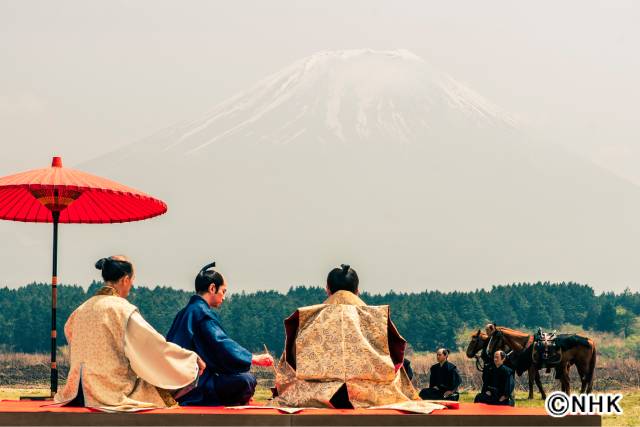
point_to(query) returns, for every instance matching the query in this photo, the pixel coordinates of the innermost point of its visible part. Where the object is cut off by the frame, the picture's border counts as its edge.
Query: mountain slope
(375, 159)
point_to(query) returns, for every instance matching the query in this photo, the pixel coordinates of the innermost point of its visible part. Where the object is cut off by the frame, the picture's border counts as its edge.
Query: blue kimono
(226, 380)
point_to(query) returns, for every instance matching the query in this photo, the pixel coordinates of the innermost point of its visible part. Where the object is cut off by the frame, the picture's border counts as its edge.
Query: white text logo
(559, 404)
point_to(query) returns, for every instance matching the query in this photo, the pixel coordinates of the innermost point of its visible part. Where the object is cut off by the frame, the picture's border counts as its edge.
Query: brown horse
(480, 342)
(568, 350)
(571, 349)
(520, 344)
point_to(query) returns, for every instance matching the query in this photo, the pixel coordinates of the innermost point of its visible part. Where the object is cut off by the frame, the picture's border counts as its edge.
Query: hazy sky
(79, 78)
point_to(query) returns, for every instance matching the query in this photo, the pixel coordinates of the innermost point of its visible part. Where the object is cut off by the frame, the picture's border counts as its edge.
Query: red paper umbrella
(62, 195)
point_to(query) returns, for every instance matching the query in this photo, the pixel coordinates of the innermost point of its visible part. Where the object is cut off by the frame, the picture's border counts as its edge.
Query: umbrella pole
(54, 301)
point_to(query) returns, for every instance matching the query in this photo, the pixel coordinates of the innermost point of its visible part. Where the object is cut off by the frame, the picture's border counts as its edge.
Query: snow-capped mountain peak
(343, 96)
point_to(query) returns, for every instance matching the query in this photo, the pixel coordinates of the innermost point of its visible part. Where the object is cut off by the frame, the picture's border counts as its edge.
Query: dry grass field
(27, 374)
(611, 374)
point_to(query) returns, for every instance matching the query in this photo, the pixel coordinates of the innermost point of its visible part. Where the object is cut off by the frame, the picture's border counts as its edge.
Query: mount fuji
(372, 158)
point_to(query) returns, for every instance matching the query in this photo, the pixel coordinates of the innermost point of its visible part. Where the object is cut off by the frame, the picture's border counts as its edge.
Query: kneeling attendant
(498, 389)
(444, 379)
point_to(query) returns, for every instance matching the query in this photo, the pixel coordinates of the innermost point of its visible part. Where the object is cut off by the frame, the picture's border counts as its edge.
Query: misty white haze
(430, 146)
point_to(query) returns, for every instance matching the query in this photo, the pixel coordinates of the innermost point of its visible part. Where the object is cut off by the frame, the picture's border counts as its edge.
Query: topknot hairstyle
(114, 268)
(343, 278)
(206, 276)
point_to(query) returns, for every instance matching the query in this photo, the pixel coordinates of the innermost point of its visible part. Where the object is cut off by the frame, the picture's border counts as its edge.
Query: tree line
(427, 319)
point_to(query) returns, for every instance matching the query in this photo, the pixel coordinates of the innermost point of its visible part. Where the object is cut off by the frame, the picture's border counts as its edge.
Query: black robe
(442, 378)
(500, 382)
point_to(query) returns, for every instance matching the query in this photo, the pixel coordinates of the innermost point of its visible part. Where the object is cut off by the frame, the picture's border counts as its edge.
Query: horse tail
(592, 364)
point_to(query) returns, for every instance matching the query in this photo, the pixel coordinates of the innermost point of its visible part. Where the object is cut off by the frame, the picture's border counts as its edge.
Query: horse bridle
(480, 359)
(488, 350)
(479, 363)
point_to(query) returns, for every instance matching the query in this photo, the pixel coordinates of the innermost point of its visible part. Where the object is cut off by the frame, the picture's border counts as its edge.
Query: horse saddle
(547, 352)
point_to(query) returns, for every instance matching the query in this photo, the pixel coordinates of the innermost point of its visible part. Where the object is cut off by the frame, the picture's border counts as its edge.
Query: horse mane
(515, 334)
(513, 338)
(483, 336)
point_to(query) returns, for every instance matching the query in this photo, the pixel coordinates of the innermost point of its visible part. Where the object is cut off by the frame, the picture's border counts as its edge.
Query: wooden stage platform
(38, 413)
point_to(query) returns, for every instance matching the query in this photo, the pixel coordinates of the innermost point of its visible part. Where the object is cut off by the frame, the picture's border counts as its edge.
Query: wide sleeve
(432, 377)
(158, 362)
(228, 355)
(455, 378)
(68, 327)
(510, 384)
(505, 381)
(397, 344)
(487, 377)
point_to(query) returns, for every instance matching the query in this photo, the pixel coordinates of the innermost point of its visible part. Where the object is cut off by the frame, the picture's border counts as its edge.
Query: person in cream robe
(118, 362)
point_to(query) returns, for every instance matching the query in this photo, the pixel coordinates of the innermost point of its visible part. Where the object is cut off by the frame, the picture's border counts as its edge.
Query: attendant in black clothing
(444, 379)
(407, 367)
(498, 385)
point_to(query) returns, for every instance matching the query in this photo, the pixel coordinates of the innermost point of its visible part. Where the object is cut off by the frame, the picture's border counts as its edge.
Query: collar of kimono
(107, 290)
(198, 298)
(344, 297)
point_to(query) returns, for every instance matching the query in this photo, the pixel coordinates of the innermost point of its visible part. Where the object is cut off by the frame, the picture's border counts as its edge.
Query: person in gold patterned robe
(118, 362)
(342, 353)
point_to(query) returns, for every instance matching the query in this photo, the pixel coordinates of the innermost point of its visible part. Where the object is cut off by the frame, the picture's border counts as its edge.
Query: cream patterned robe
(119, 359)
(342, 341)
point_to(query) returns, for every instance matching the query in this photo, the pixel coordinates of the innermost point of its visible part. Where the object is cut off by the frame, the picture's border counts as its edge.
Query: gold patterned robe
(342, 343)
(120, 361)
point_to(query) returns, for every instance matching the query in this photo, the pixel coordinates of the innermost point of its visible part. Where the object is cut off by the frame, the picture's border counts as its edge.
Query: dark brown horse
(569, 349)
(518, 346)
(480, 343)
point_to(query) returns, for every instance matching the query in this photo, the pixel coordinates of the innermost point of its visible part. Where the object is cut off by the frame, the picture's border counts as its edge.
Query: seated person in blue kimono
(226, 379)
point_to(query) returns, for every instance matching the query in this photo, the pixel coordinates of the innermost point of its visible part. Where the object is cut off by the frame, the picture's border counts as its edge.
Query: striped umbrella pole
(27, 197)
(54, 303)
